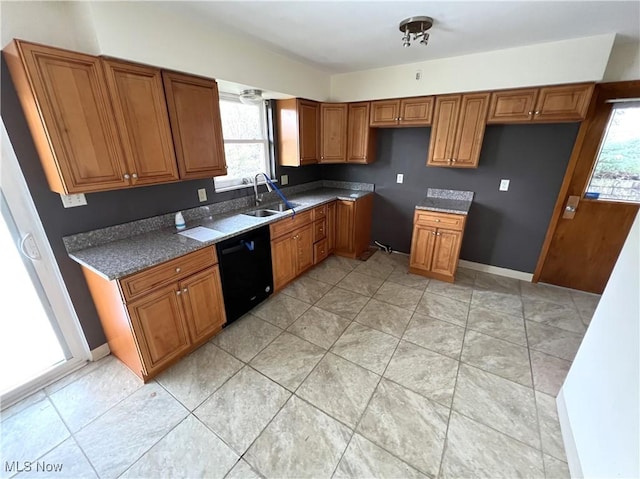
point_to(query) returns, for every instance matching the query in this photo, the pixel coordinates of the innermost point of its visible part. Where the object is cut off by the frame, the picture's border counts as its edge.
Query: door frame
(589, 137)
(22, 207)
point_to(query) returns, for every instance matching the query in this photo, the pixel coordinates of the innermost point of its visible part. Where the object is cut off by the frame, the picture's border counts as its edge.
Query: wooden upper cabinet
(141, 115)
(361, 138)
(550, 104)
(298, 132)
(458, 129)
(333, 132)
(65, 100)
(416, 111)
(194, 114)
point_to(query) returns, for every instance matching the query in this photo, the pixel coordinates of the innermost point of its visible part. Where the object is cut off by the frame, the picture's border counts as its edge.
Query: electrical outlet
(71, 201)
(202, 194)
(399, 178)
(284, 180)
(504, 185)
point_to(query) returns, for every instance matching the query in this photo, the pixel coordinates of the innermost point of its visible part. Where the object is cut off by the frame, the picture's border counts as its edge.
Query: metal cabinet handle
(185, 290)
(178, 293)
(454, 160)
(531, 113)
(538, 112)
(126, 176)
(178, 270)
(134, 176)
(437, 220)
(438, 234)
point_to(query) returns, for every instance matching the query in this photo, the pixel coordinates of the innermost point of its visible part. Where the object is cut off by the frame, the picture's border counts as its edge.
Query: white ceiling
(356, 35)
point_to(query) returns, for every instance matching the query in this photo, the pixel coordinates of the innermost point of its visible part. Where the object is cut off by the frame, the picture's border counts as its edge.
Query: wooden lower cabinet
(174, 311)
(331, 227)
(353, 226)
(435, 244)
(291, 255)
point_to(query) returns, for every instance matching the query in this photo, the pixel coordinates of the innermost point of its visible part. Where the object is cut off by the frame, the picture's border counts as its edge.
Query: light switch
(504, 185)
(71, 201)
(284, 180)
(400, 178)
(202, 194)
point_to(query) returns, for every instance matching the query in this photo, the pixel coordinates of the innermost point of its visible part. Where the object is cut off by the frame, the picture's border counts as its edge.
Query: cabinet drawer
(319, 212)
(145, 281)
(320, 251)
(439, 220)
(289, 224)
(319, 230)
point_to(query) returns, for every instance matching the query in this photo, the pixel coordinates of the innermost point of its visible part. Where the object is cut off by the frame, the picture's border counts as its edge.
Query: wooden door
(563, 103)
(64, 97)
(194, 113)
(283, 260)
(446, 250)
(203, 304)
(141, 115)
(333, 132)
(443, 131)
(304, 248)
(385, 113)
(512, 106)
(344, 237)
(309, 131)
(422, 242)
(360, 138)
(580, 252)
(159, 326)
(416, 111)
(470, 131)
(331, 227)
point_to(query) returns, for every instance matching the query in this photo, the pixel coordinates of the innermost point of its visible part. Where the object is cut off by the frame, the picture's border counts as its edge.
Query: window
(246, 142)
(616, 174)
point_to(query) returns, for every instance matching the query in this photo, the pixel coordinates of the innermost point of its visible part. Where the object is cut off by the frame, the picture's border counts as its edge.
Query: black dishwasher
(245, 270)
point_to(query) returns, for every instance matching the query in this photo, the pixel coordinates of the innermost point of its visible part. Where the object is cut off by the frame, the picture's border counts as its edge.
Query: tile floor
(357, 369)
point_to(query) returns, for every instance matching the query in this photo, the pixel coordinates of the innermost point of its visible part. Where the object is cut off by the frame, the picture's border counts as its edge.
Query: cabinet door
(385, 113)
(416, 111)
(159, 327)
(446, 251)
(333, 132)
(422, 242)
(283, 260)
(141, 115)
(194, 112)
(304, 248)
(361, 138)
(309, 131)
(512, 106)
(331, 227)
(64, 97)
(563, 103)
(344, 230)
(443, 132)
(470, 131)
(203, 303)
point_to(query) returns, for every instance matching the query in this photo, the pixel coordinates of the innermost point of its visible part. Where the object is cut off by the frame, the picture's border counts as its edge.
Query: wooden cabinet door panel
(65, 99)
(384, 113)
(563, 103)
(283, 260)
(416, 111)
(344, 228)
(194, 113)
(159, 326)
(333, 132)
(304, 248)
(470, 131)
(331, 227)
(203, 303)
(512, 106)
(445, 252)
(309, 131)
(443, 132)
(360, 139)
(143, 122)
(422, 243)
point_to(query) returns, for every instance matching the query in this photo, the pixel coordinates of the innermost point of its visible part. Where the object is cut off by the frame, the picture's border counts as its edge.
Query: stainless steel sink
(261, 213)
(280, 207)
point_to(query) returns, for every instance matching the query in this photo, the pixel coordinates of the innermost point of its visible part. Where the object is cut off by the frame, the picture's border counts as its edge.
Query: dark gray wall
(503, 229)
(103, 209)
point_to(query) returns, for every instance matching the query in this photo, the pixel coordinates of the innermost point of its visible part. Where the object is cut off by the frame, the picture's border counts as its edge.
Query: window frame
(221, 183)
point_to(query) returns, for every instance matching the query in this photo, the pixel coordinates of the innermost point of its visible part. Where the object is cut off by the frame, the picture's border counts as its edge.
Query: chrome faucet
(258, 198)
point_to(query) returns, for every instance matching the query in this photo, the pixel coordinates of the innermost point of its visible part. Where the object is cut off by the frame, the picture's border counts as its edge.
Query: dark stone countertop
(447, 201)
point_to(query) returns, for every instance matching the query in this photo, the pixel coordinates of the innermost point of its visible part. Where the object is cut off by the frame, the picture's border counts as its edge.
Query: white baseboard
(567, 436)
(100, 352)
(485, 268)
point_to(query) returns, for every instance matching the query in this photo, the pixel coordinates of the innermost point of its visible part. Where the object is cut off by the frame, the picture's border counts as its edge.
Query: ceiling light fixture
(251, 97)
(417, 26)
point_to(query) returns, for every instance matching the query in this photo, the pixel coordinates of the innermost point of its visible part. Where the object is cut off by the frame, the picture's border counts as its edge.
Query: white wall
(601, 393)
(569, 61)
(624, 63)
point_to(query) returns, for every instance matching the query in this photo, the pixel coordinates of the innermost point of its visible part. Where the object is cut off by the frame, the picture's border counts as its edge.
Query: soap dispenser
(180, 221)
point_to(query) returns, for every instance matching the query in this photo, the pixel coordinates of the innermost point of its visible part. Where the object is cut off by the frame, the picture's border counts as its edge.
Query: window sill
(222, 189)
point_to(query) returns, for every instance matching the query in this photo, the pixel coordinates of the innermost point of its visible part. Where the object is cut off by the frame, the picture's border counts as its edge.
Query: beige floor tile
(384, 317)
(342, 302)
(550, 433)
(68, 458)
(361, 283)
(319, 327)
(439, 336)
(367, 347)
(553, 341)
(399, 295)
(443, 308)
(242, 470)
(281, 310)
(560, 315)
(501, 301)
(327, 273)
(555, 469)
(246, 337)
(307, 289)
(549, 372)
(403, 277)
(499, 325)
(457, 291)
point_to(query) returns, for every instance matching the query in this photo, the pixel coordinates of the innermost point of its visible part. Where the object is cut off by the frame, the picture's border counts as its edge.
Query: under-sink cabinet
(156, 316)
(291, 247)
(435, 244)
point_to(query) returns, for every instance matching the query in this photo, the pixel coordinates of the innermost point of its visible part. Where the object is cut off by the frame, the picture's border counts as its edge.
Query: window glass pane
(240, 121)
(244, 160)
(617, 172)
